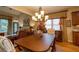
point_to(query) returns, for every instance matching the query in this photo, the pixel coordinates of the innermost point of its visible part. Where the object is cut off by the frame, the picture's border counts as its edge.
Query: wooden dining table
(36, 43)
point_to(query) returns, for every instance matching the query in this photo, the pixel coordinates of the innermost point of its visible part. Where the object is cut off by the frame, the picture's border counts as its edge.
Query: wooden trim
(75, 12)
(61, 14)
(8, 17)
(2, 33)
(57, 12)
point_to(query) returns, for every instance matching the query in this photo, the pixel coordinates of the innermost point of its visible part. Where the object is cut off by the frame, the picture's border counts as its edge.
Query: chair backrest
(21, 33)
(25, 32)
(2, 34)
(6, 45)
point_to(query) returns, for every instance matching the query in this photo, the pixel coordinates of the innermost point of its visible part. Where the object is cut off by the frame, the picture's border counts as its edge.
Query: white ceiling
(8, 11)
(32, 9)
(19, 10)
(47, 9)
(4, 10)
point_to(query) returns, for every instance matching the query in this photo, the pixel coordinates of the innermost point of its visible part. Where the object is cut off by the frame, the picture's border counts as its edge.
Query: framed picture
(68, 23)
(26, 22)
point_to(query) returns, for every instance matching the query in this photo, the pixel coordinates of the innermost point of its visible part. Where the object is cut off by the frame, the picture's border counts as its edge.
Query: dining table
(36, 42)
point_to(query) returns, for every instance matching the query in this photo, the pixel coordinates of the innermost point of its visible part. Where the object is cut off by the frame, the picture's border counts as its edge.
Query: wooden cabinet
(76, 38)
(75, 18)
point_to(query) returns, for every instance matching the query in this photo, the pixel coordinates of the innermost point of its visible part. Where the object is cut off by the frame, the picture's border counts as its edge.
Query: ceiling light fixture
(40, 16)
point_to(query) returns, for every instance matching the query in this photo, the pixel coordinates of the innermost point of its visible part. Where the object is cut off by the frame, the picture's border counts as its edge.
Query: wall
(20, 19)
(24, 20)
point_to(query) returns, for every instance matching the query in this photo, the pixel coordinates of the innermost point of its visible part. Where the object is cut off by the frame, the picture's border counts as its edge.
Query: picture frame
(68, 23)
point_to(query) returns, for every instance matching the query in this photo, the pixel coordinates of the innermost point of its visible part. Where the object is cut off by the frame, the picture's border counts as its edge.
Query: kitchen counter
(75, 30)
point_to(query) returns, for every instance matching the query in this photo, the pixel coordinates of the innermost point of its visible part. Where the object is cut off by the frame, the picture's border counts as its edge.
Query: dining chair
(53, 46)
(52, 31)
(6, 45)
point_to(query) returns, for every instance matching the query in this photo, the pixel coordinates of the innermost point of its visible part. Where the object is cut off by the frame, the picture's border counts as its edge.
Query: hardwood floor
(66, 47)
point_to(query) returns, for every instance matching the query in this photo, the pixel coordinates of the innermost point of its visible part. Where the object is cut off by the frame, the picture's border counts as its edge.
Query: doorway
(15, 27)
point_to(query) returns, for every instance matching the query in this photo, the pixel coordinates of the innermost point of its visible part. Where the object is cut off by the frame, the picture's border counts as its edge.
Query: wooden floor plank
(66, 47)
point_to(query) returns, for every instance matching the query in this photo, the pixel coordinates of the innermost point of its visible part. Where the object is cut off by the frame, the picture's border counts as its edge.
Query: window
(15, 27)
(56, 24)
(48, 24)
(53, 24)
(3, 25)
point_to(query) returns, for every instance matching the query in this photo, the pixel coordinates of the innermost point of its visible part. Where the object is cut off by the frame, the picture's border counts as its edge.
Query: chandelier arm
(40, 15)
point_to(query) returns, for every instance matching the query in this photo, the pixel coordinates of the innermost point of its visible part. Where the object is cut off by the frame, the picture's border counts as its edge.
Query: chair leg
(53, 49)
(19, 47)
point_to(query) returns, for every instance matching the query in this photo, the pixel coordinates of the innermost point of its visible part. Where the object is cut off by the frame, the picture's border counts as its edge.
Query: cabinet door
(76, 38)
(75, 18)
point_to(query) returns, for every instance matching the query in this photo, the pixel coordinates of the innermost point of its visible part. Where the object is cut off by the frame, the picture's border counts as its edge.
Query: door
(15, 27)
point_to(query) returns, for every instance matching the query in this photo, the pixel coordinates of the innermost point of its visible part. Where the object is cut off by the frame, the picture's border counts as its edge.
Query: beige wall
(21, 18)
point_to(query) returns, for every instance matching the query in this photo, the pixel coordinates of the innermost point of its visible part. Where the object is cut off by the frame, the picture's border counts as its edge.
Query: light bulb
(46, 17)
(42, 13)
(39, 16)
(34, 18)
(36, 14)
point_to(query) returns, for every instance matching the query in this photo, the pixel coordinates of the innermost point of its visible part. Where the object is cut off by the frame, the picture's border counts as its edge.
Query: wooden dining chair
(21, 34)
(52, 32)
(53, 46)
(2, 34)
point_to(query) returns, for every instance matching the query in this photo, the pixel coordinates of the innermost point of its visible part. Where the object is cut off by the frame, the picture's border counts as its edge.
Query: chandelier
(40, 16)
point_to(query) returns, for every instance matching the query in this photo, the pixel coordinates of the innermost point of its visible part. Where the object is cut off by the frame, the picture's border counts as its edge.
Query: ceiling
(32, 9)
(4, 10)
(8, 11)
